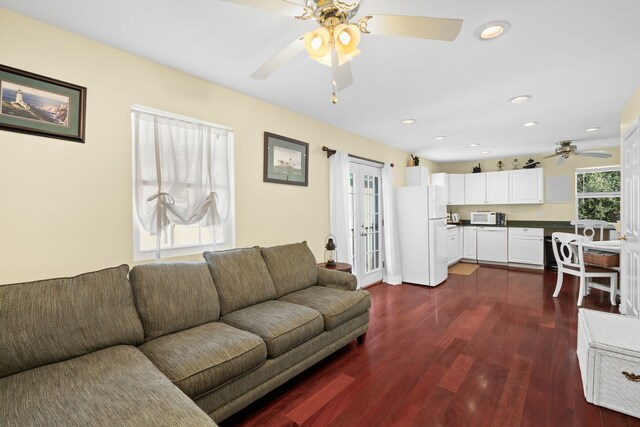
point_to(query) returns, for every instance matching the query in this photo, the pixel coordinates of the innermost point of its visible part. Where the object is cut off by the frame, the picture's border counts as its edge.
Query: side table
(340, 266)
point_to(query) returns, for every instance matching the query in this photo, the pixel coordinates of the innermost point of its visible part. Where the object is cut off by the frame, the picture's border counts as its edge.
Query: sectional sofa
(170, 344)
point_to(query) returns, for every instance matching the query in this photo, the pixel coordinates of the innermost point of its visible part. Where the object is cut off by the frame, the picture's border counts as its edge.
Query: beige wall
(66, 207)
(630, 113)
(546, 211)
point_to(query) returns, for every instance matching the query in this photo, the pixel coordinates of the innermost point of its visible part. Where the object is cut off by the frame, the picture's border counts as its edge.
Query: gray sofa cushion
(175, 296)
(241, 278)
(281, 325)
(337, 306)
(203, 358)
(292, 267)
(52, 320)
(117, 386)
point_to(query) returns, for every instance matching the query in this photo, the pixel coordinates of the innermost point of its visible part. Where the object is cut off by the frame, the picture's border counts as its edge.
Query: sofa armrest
(337, 279)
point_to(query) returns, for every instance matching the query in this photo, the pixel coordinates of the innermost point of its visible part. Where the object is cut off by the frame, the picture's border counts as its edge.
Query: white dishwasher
(492, 244)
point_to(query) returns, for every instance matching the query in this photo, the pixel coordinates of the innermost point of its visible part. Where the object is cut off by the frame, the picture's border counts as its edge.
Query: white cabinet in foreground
(469, 243)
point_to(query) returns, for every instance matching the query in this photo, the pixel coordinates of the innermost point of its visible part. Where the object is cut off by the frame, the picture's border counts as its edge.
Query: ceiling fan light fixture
(346, 41)
(492, 30)
(318, 44)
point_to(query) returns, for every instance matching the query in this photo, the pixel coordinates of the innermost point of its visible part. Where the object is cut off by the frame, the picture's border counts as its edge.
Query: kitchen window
(598, 193)
(183, 185)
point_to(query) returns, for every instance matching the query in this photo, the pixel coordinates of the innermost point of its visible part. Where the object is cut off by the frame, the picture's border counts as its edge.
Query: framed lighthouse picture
(40, 105)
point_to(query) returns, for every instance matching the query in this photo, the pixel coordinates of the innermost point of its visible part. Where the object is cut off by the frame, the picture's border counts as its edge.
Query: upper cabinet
(497, 188)
(486, 188)
(526, 186)
(416, 175)
(521, 186)
(453, 184)
(475, 185)
(456, 189)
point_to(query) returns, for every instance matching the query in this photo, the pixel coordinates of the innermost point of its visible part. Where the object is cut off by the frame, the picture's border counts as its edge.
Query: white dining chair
(589, 226)
(567, 249)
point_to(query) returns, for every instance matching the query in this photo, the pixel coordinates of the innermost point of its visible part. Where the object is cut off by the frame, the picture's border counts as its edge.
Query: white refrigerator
(422, 234)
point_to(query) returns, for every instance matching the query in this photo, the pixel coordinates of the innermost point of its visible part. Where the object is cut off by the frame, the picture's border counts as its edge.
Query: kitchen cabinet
(475, 188)
(526, 246)
(526, 186)
(469, 243)
(486, 188)
(453, 245)
(456, 189)
(492, 244)
(453, 184)
(497, 188)
(416, 175)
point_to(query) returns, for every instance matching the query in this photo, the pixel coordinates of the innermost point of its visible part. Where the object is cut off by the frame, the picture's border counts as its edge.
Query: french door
(365, 221)
(630, 219)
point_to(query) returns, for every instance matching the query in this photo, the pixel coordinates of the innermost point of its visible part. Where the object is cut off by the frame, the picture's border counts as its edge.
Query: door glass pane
(371, 222)
(352, 210)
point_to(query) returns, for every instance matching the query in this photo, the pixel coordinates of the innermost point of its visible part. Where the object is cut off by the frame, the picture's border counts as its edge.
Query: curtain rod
(331, 152)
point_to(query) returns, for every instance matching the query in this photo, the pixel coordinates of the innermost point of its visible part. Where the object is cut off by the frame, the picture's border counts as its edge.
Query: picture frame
(40, 105)
(286, 160)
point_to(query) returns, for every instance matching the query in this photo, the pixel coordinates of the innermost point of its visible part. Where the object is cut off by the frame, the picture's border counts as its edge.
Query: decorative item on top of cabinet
(515, 164)
(531, 164)
(477, 169)
(500, 166)
(416, 160)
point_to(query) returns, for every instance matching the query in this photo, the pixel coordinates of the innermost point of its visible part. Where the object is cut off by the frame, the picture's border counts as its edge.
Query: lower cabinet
(453, 245)
(492, 244)
(526, 246)
(469, 243)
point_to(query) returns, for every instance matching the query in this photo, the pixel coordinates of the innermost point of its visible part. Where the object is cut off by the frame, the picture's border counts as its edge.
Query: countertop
(532, 224)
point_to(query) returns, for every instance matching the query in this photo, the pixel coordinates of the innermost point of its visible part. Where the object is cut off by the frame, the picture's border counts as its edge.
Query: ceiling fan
(336, 40)
(567, 148)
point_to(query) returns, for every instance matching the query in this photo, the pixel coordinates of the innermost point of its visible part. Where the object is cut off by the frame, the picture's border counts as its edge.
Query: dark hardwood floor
(490, 349)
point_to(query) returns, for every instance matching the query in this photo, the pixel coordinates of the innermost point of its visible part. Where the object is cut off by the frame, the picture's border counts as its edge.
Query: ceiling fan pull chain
(334, 75)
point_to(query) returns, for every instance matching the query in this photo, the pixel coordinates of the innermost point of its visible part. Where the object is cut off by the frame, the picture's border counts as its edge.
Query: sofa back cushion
(292, 267)
(174, 296)
(241, 278)
(49, 321)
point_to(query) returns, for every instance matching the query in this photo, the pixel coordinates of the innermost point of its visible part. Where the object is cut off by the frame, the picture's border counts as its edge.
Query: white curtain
(181, 172)
(392, 269)
(339, 205)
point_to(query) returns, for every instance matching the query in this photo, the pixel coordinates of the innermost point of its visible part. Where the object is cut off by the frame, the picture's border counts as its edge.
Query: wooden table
(340, 266)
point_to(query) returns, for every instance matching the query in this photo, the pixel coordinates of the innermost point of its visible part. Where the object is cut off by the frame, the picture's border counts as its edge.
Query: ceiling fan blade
(415, 26)
(561, 160)
(343, 76)
(286, 7)
(600, 154)
(552, 155)
(279, 59)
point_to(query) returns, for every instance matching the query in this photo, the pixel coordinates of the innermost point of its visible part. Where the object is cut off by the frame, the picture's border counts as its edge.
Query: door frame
(629, 250)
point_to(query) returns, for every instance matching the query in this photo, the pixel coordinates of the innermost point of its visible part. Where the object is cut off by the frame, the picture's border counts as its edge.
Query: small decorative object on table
(500, 165)
(416, 160)
(330, 253)
(477, 169)
(515, 164)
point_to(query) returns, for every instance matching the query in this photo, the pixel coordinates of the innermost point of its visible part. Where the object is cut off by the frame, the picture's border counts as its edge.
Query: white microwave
(481, 218)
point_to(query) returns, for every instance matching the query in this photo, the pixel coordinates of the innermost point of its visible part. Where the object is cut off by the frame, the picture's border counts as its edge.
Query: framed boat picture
(286, 160)
(40, 105)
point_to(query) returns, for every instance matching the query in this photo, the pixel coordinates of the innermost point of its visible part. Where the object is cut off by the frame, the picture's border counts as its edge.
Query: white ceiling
(577, 58)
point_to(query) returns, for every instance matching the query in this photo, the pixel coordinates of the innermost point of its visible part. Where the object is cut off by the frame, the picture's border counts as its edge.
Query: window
(598, 193)
(183, 185)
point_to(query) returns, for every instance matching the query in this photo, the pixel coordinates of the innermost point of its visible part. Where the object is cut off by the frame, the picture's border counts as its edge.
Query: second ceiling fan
(336, 40)
(567, 148)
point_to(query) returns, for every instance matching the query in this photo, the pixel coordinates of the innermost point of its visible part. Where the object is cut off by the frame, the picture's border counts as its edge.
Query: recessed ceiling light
(485, 152)
(409, 121)
(474, 145)
(440, 138)
(492, 29)
(520, 99)
(594, 129)
(529, 124)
